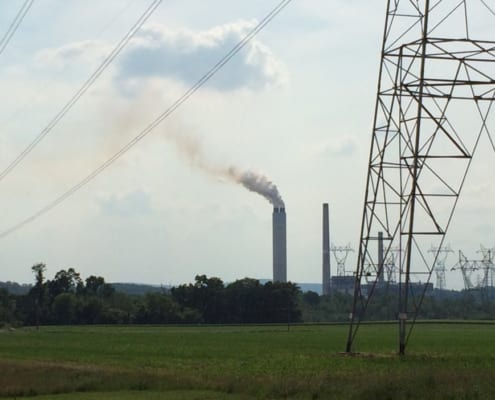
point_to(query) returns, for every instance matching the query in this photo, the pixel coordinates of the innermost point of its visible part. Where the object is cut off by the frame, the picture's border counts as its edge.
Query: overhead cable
(83, 89)
(15, 24)
(165, 114)
(46, 86)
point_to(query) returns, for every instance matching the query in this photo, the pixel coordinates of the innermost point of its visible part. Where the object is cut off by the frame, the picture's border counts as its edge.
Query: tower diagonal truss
(434, 102)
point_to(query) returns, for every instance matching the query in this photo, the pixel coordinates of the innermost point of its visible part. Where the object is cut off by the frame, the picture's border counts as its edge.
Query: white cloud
(85, 51)
(134, 203)
(186, 55)
(181, 55)
(340, 146)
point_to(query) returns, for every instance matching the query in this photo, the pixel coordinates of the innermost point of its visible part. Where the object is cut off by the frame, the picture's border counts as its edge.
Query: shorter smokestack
(325, 288)
(279, 245)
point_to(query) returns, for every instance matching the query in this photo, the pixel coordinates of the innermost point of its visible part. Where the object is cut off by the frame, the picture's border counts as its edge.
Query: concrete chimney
(325, 287)
(279, 245)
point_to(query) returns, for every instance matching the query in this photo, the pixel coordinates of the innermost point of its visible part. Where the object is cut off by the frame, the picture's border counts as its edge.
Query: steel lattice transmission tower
(341, 253)
(435, 93)
(467, 268)
(390, 265)
(477, 274)
(488, 266)
(441, 254)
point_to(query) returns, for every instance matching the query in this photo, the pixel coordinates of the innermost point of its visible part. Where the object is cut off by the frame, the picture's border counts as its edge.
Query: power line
(15, 24)
(47, 86)
(83, 89)
(181, 100)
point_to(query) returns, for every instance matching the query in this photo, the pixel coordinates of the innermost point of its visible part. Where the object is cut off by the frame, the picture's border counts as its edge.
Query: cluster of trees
(243, 301)
(476, 304)
(67, 299)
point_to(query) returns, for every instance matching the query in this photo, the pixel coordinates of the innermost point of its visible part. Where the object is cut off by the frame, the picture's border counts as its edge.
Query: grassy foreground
(444, 361)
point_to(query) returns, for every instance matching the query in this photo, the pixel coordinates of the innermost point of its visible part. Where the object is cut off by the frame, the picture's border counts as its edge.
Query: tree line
(474, 304)
(68, 299)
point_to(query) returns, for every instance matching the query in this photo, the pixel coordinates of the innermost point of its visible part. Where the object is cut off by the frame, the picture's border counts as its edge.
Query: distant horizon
(315, 285)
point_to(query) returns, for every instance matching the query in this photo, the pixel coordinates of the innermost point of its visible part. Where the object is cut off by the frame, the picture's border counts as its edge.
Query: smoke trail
(188, 145)
(257, 183)
(192, 150)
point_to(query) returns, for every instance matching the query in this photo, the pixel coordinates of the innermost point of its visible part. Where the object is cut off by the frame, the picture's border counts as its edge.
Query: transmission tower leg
(402, 336)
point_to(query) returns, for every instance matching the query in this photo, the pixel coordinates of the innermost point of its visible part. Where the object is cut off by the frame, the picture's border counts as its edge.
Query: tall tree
(95, 285)
(244, 299)
(65, 281)
(281, 302)
(38, 289)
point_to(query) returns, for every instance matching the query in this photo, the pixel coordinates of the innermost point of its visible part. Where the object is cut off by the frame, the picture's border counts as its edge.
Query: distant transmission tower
(468, 269)
(488, 266)
(341, 253)
(478, 274)
(440, 254)
(435, 93)
(390, 266)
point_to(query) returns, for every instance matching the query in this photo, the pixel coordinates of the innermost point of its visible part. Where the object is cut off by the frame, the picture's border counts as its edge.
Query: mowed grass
(444, 361)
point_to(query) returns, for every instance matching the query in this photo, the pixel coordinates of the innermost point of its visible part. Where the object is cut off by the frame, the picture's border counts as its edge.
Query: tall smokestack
(253, 181)
(325, 287)
(279, 245)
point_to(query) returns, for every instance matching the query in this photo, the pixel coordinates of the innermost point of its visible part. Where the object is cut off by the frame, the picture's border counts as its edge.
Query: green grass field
(444, 361)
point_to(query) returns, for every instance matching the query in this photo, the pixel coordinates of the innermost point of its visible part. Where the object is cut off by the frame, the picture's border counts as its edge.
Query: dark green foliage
(157, 308)
(383, 306)
(243, 301)
(96, 286)
(91, 310)
(63, 309)
(312, 298)
(281, 302)
(67, 299)
(65, 281)
(333, 308)
(38, 293)
(7, 308)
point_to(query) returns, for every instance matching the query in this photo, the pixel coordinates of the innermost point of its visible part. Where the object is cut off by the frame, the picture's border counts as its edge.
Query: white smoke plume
(188, 145)
(256, 182)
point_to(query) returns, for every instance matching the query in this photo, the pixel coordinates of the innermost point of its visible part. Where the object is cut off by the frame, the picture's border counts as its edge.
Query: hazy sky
(295, 105)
